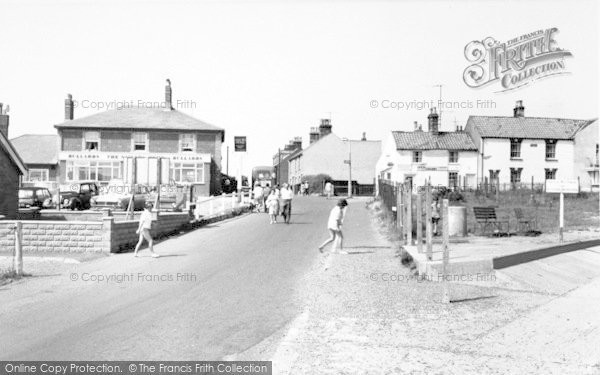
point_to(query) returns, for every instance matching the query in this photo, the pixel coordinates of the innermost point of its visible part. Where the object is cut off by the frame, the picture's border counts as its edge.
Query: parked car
(118, 194)
(78, 195)
(35, 197)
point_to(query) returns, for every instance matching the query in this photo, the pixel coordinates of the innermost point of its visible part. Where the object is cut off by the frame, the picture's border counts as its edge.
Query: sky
(270, 70)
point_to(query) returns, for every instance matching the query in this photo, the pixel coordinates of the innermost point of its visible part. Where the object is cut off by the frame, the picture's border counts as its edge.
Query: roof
(420, 140)
(12, 153)
(37, 148)
(526, 127)
(140, 118)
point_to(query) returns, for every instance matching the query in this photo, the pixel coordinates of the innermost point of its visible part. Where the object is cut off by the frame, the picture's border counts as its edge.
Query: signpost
(562, 187)
(239, 145)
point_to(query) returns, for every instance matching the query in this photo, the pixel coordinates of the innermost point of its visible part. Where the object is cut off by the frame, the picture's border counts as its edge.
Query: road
(238, 284)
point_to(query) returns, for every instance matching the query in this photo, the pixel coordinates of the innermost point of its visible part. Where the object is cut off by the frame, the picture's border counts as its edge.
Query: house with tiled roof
(340, 158)
(12, 169)
(149, 144)
(520, 150)
(443, 158)
(39, 152)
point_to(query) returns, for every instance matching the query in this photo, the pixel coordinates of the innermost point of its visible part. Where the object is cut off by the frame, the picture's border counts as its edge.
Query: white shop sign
(68, 155)
(562, 186)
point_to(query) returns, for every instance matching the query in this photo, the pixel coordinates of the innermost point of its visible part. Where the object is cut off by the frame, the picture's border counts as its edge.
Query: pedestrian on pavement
(329, 189)
(286, 202)
(258, 196)
(273, 206)
(334, 225)
(144, 230)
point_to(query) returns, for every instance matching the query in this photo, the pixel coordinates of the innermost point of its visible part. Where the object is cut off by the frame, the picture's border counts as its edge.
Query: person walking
(144, 230)
(272, 205)
(334, 225)
(286, 202)
(258, 197)
(265, 196)
(329, 189)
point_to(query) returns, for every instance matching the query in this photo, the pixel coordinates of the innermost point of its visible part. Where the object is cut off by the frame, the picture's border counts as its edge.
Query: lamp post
(349, 162)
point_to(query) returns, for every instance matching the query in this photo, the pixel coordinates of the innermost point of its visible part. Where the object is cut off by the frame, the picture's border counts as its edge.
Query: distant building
(12, 169)
(39, 152)
(524, 150)
(148, 146)
(282, 157)
(329, 154)
(586, 157)
(417, 157)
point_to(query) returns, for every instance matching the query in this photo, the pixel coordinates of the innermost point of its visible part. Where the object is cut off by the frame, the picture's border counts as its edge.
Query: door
(141, 171)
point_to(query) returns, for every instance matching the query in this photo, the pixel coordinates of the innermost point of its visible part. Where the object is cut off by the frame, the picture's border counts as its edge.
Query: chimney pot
(4, 120)
(519, 110)
(168, 96)
(433, 122)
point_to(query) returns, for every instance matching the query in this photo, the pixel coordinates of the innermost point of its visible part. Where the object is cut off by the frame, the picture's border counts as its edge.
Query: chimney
(168, 96)
(364, 137)
(325, 127)
(69, 107)
(298, 143)
(289, 146)
(314, 135)
(4, 120)
(416, 126)
(519, 110)
(433, 122)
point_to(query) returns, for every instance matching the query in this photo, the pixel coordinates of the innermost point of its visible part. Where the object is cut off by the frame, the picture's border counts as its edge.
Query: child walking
(334, 225)
(144, 230)
(273, 206)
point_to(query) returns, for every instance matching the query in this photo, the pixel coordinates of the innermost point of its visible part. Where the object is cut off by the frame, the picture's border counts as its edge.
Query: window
(37, 175)
(389, 176)
(417, 156)
(515, 175)
(91, 141)
(515, 148)
(550, 173)
(140, 141)
(188, 172)
(452, 179)
(453, 157)
(550, 149)
(186, 142)
(80, 170)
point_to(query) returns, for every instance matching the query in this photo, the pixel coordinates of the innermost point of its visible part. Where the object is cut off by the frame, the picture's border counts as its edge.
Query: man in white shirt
(286, 202)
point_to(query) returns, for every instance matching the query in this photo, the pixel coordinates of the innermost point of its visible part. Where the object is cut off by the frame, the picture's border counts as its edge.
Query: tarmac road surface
(214, 292)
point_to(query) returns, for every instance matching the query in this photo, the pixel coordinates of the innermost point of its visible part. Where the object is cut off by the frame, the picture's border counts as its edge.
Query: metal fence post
(18, 260)
(399, 216)
(409, 237)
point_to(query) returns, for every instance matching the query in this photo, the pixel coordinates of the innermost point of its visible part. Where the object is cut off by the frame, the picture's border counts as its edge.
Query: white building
(524, 150)
(443, 158)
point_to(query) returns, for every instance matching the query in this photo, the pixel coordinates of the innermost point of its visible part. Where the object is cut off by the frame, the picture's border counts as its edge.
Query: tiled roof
(12, 154)
(526, 127)
(37, 148)
(420, 140)
(140, 118)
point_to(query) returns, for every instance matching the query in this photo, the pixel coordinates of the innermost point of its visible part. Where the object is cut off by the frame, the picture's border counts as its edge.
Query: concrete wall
(104, 234)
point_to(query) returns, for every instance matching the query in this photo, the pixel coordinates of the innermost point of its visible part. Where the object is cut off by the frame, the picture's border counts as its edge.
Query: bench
(489, 223)
(524, 224)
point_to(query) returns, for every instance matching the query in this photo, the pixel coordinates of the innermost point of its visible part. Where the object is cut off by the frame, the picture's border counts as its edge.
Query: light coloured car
(118, 195)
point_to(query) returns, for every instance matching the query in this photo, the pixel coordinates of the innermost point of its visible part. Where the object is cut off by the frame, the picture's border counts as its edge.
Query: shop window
(187, 172)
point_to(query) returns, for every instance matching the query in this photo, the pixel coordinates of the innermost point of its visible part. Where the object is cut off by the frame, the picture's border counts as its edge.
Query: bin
(457, 221)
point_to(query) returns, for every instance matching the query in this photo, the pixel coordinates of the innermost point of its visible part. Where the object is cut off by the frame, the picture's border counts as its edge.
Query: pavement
(264, 292)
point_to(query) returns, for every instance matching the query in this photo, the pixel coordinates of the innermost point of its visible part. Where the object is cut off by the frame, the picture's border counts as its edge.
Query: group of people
(274, 200)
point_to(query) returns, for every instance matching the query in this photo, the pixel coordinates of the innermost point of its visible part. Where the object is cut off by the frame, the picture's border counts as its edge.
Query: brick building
(11, 170)
(148, 146)
(39, 152)
(282, 157)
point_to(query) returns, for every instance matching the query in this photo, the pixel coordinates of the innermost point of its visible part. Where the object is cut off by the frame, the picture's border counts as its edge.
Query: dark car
(78, 195)
(35, 197)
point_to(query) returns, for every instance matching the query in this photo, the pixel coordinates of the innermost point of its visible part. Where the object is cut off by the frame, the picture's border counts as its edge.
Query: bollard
(446, 249)
(18, 259)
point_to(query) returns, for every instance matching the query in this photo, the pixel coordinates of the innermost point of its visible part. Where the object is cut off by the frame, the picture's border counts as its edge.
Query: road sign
(346, 161)
(562, 186)
(239, 144)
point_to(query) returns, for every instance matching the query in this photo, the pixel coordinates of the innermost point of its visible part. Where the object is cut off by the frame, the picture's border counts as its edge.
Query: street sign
(562, 186)
(346, 161)
(239, 144)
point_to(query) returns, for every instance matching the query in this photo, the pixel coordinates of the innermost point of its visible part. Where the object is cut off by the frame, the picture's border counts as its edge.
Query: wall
(116, 141)
(71, 139)
(585, 156)
(9, 185)
(496, 156)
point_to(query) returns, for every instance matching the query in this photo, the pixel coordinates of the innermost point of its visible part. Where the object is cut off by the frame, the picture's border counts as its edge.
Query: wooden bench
(487, 220)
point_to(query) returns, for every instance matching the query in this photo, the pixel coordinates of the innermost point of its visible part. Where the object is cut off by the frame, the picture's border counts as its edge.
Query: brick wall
(72, 139)
(9, 185)
(164, 142)
(54, 236)
(115, 141)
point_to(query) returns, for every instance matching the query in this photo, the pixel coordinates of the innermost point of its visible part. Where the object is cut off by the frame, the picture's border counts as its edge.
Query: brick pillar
(108, 223)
